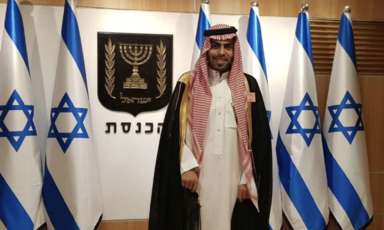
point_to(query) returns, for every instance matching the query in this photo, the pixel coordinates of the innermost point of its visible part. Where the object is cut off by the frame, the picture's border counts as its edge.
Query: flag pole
(204, 23)
(347, 9)
(255, 4)
(304, 8)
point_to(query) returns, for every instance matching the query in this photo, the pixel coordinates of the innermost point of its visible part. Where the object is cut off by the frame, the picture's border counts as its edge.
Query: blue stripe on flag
(344, 191)
(202, 25)
(58, 211)
(12, 212)
(297, 190)
(255, 39)
(15, 29)
(303, 34)
(346, 38)
(71, 36)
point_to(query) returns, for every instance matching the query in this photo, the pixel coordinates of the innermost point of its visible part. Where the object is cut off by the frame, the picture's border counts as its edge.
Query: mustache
(221, 57)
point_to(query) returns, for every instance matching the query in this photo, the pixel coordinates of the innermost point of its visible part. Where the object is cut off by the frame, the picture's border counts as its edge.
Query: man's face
(220, 55)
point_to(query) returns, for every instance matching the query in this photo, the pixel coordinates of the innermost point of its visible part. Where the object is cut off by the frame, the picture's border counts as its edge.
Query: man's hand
(242, 193)
(190, 180)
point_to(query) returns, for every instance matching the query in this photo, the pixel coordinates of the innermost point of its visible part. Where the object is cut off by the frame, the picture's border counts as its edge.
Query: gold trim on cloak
(249, 117)
(184, 112)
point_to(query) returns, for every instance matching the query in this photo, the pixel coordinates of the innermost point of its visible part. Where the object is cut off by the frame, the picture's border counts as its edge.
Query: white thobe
(221, 171)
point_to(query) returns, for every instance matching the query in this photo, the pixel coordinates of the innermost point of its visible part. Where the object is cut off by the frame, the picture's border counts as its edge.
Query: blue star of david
(336, 126)
(294, 127)
(16, 138)
(79, 131)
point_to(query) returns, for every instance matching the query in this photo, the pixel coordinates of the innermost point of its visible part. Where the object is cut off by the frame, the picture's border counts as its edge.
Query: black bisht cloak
(175, 208)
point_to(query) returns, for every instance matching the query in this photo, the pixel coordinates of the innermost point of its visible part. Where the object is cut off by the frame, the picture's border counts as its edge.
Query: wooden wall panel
(372, 94)
(40, 2)
(329, 8)
(150, 5)
(377, 191)
(322, 84)
(228, 6)
(289, 8)
(378, 222)
(124, 225)
(369, 10)
(369, 45)
(362, 10)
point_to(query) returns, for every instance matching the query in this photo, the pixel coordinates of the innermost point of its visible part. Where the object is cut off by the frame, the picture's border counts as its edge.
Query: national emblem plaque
(134, 71)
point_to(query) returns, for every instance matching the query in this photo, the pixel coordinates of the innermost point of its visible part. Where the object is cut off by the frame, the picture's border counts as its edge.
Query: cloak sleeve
(245, 215)
(172, 206)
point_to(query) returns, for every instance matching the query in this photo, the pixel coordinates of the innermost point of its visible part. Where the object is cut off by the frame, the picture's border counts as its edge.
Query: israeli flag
(254, 64)
(71, 188)
(203, 24)
(345, 151)
(20, 160)
(299, 146)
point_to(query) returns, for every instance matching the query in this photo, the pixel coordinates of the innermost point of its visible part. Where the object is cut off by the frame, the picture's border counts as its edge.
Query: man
(216, 133)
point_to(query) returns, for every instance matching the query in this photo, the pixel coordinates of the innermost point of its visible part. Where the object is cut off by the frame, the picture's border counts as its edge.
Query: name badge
(251, 97)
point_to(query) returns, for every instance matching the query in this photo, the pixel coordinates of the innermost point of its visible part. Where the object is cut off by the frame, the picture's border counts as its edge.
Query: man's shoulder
(250, 78)
(251, 81)
(185, 77)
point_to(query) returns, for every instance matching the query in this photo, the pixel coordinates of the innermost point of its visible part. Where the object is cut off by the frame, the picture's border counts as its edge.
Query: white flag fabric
(20, 159)
(299, 145)
(344, 138)
(71, 188)
(254, 64)
(203, 24)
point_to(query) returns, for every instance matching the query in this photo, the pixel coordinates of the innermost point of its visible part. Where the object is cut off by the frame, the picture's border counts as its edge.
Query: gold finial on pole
(347, 9)
(254, 4)
(304, 8)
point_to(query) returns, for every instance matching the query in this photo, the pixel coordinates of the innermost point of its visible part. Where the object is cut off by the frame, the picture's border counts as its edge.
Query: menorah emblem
(135, 55)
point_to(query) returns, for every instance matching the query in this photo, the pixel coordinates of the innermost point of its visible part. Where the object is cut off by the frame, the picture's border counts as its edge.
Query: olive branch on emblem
(109, 70)
(161, 71)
